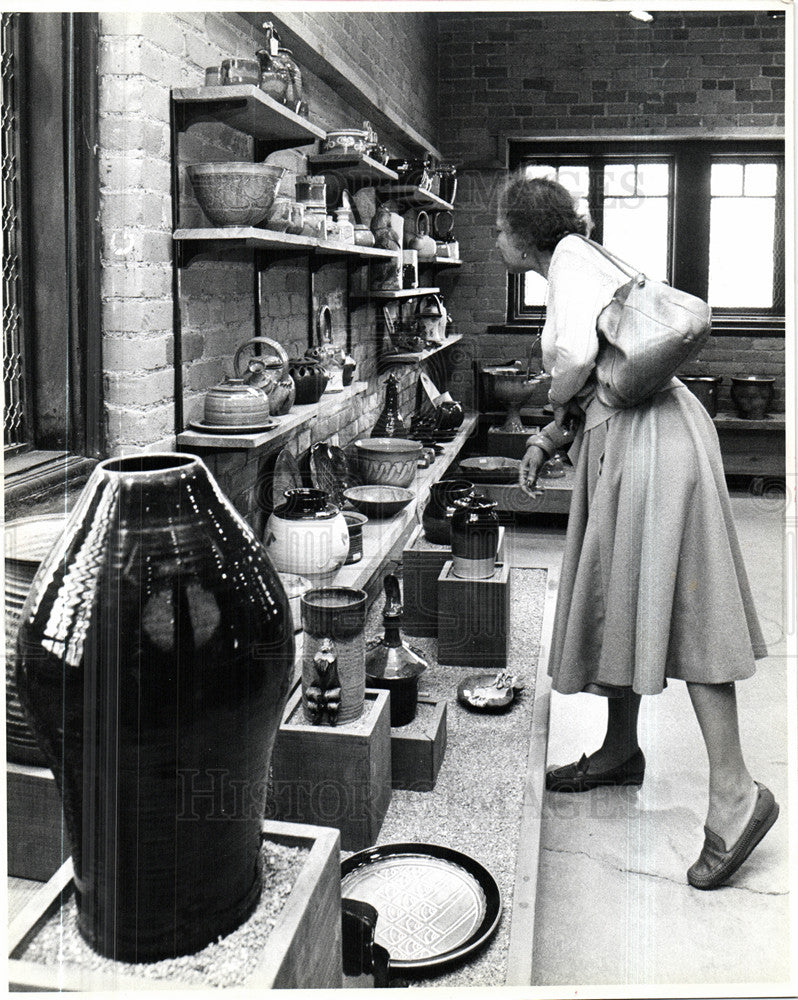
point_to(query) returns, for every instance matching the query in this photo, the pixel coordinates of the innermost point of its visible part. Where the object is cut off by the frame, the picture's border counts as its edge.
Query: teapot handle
(422, 223)
(276, 349)
(324, 325)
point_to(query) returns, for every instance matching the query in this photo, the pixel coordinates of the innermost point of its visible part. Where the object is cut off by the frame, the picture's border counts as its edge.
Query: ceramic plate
(481, 692)
(330, 471)
(206, 428)
(286, 476)
(436, 905)
(491, 469)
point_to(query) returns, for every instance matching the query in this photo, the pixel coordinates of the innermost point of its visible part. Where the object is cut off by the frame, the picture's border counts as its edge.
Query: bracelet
(542, 442)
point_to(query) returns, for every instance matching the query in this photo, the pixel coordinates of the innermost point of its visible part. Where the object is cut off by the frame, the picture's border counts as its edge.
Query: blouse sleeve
(571, 311)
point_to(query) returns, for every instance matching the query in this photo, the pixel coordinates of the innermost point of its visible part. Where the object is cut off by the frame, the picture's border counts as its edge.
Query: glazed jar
(752, 395)
(475, 537)
(312, 190)
(310, 378)
(437, 516)
(307, 534)
(364, 236)
(315, 222)
(237, 71)
(279, 75)
(158, 651)
(705, 388)
(235, 403)
(354, 524)
(390, 422)
(333, 654)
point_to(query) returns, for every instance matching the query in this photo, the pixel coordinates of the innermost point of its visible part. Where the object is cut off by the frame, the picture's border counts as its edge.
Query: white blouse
(581, 283)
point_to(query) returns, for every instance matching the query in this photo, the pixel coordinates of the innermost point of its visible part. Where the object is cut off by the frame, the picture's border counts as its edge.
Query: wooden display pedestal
(474, 619)
(422, 562)
(302, 951)
(37, 841)
(417, 749)
(334, 775)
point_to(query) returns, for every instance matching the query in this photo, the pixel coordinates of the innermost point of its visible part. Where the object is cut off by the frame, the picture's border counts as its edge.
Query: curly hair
(539, 212)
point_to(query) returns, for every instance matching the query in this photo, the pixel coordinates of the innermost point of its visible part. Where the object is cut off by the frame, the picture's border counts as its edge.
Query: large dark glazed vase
(155, 651)
(475, 537)
(436, 518)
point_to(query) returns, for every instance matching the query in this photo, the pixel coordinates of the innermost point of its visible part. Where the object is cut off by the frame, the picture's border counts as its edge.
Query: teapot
(422, 242)
(267, 372)
(432, 318)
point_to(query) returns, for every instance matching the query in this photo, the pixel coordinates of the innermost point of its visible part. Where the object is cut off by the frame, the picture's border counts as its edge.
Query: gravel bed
(229, 961)
(475, 806)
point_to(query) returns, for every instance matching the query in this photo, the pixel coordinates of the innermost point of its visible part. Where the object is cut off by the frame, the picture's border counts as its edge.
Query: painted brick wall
(573, 74)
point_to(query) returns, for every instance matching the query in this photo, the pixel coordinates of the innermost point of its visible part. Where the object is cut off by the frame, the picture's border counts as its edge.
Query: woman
(653, 584)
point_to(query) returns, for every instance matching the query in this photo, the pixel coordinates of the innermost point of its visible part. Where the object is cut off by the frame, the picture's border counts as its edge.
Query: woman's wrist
(541, 442)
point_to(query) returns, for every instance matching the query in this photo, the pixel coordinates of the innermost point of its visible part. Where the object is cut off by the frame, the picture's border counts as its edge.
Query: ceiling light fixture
(641, 15)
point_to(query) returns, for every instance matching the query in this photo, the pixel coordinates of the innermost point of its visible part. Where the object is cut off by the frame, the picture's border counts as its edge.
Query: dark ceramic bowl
(752, 395)
(379, 501)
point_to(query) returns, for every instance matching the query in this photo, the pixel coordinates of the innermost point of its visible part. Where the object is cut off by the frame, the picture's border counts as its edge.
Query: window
(707, 217)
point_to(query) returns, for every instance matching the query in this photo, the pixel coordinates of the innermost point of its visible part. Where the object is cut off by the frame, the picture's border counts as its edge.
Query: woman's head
(535, 213)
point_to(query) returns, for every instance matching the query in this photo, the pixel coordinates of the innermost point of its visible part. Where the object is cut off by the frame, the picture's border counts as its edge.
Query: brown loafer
(578, 777)
(715, 864)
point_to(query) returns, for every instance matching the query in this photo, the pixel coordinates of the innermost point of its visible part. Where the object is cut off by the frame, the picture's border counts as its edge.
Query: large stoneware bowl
(388, 461)
(235, 194)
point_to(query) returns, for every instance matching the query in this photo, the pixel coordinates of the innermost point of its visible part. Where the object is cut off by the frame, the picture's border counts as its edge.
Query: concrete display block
(474, 619)
(37, 841)
(334, 775)
(422, 562)
(417, 749)
(303, 950)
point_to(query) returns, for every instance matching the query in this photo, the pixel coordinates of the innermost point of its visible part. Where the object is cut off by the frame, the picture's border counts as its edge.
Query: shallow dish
(379, 501)
(206, 428)
(491, 469)
(436, 905)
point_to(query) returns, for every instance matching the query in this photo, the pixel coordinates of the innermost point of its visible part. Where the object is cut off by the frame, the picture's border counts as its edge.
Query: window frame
(688, 256)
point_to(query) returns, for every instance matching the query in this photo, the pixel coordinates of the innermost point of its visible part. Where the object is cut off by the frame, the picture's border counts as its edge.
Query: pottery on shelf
(436, 518)
(354, 523)
(705, 387)
(28, 541)
(307, 534)
(279, 74)
(235, 193)
(157, 649)
(333, 654)
(512, 387)
(390, 422)
(267, 371)
(236, 71)
(475, 537)
(388, 461)
(392, 664)
(310, 378)
(235, 403)
(752, 395)
(422, 242)
(379, 501)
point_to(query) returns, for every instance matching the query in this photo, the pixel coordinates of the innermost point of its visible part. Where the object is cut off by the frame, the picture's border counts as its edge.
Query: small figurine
(323, 694)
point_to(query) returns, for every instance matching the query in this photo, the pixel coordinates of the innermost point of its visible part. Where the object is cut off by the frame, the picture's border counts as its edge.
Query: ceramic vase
(475, 537)
(27, 542)
(333, 654)
(156, 648)
(307, 534)
(752, 395)
(436, 518)
(390, 422)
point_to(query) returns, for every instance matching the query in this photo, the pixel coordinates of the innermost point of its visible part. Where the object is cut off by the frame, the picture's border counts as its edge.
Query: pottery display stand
(336, 776)
(37, 844)
(303, 950)
(473, 619)
(417, 749)
(422, 562)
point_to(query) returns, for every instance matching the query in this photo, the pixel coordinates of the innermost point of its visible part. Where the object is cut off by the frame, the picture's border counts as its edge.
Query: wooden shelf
(413, 357)
(400, 293)
(413, 196)
(731, 422)
(248, 109)
(215, 240)
(445, 261)
(288, 425)
(356, 167)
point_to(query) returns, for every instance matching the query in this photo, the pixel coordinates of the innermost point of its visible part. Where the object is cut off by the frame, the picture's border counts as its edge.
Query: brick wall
(142, 56)
(600, 73)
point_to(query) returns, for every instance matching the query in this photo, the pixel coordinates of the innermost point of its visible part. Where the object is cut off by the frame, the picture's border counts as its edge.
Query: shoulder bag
(646, 333)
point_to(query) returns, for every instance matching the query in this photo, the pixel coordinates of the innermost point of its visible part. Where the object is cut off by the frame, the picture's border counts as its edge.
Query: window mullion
(690, 238)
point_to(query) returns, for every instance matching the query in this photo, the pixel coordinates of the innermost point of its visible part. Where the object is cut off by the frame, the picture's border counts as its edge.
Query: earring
(524, 255)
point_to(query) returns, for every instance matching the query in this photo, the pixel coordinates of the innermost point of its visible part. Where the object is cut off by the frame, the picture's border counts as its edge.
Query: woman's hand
(568, 416)
(531, 464)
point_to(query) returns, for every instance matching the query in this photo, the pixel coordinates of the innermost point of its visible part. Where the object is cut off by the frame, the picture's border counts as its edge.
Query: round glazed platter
(206, 428)
(491, 469)
(435, 905)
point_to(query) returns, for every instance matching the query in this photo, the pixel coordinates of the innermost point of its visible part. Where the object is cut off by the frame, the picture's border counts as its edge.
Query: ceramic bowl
(379, 501)
(388, 461)
(235, 194)
(752, 395)
(352, 140)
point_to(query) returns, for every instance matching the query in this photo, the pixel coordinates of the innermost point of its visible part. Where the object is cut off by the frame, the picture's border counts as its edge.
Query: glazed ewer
(156, 650)
(333, 654)
(307, 534)
(267, 371)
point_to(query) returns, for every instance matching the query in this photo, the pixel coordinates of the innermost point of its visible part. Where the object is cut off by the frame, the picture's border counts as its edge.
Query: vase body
(310, 380)
(390, 422)
(475, 538)
(28, 541)
(307, 534)
(705, 387)
(437, 516)
(156, 649)
(334, 620)
(752, 395)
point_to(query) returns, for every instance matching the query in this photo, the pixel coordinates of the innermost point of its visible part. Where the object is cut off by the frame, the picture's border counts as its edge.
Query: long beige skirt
(653, 583)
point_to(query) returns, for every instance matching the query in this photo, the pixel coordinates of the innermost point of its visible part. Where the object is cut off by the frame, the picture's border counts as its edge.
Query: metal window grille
(16, 423)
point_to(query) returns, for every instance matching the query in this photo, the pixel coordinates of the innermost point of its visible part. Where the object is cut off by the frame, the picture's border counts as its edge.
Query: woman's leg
(732, 792)
(620, 741)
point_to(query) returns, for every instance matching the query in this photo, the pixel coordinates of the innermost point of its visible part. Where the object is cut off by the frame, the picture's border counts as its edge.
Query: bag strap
(633, 272)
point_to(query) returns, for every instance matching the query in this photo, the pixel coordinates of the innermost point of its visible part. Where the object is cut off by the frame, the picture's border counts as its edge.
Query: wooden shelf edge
(271, 239)
(399, 293)
(359, 164)
(255, 98)
(413, 195)
(410, 358)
